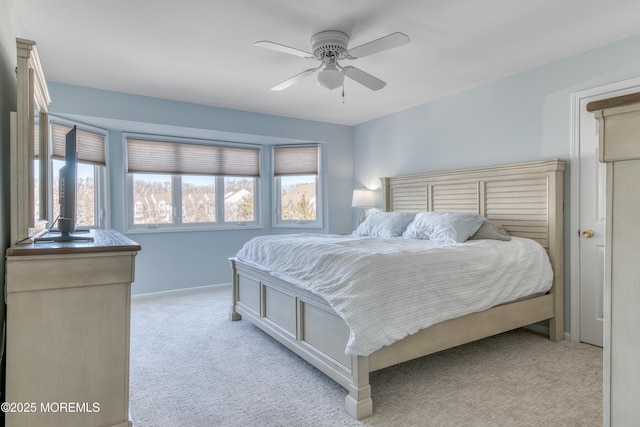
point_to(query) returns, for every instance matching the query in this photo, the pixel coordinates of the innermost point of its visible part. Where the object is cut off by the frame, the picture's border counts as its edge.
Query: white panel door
(591, 221)
(592, 211)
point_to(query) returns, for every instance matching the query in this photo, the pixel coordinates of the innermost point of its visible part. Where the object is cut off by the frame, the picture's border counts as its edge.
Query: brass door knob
(587, 234)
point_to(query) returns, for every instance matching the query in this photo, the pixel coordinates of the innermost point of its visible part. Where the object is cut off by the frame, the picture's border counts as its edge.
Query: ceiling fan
(330, 46)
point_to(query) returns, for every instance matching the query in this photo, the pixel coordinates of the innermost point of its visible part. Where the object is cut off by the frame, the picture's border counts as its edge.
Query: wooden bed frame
(527, 198)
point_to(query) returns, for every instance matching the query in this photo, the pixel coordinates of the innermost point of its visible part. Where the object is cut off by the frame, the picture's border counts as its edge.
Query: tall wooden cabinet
(619, 133)
(68, 310)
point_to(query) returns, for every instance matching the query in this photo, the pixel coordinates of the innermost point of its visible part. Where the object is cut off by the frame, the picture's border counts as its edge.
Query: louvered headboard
(527, 198)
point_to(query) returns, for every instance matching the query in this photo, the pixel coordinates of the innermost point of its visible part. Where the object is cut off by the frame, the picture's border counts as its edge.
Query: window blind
(295, 160)
(179, 158)
(91, 145)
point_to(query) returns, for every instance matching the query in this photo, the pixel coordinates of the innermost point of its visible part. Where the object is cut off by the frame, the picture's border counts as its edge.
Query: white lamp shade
(330, 78)
(363, 198)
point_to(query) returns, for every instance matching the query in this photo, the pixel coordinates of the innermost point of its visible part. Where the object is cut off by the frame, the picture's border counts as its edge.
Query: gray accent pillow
(491, 230)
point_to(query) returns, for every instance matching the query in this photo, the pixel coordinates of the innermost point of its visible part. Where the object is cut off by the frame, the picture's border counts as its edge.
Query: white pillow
(450, 227)
(384, 224)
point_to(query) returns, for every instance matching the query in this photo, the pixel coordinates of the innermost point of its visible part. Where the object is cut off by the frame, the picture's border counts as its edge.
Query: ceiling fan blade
(282, 48)
(295, 79)
(363, 78)
(383, 43)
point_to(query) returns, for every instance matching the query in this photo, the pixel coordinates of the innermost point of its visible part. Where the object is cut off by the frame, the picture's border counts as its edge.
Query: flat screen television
(67, 182)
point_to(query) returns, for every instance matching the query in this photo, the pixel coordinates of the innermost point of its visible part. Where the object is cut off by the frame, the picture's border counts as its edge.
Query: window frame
(102, 193)
(276, 198)
(176, 192)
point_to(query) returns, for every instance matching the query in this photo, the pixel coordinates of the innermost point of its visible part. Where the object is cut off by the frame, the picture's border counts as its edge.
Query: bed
(525, 198)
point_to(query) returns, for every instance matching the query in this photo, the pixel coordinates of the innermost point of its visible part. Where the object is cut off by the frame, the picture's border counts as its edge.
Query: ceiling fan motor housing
(329, 43)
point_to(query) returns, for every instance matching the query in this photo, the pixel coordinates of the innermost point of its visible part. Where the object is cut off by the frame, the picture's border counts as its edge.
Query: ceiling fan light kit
(330, 46)
(330, 77)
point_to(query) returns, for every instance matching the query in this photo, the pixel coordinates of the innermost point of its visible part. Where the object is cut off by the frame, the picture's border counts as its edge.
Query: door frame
(574, 165)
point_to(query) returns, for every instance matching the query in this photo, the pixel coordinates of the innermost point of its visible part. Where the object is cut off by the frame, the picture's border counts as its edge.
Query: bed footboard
(306, 325)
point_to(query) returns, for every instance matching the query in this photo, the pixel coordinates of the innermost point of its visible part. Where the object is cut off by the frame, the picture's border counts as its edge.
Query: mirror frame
(32, 93)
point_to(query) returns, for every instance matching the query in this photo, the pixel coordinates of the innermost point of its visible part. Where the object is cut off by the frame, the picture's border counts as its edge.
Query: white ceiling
(201, 51)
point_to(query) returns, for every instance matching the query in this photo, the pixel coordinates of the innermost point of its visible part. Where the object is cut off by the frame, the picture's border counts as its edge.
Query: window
(178, 184)
(198, 199)
(91, 191)
(154, 195)
(298, 199)
(239, 200)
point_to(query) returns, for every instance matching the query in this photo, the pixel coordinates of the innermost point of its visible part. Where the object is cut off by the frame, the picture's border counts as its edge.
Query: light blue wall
(187, 259)
(519, 118)
(523, 117)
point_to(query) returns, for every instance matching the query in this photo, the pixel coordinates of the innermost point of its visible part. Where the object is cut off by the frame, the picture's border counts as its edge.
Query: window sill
(186, 229)
(294, 224)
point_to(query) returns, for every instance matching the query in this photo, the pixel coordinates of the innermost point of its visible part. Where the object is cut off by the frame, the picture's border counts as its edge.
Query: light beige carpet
(191, 366)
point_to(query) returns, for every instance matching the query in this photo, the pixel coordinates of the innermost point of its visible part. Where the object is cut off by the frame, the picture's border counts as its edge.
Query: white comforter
(388, 288)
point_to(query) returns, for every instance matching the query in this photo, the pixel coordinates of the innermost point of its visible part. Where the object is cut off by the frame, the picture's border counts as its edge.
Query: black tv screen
(68, 176)
(67, 182)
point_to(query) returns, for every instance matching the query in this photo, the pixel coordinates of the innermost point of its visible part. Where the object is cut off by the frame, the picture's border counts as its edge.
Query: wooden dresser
(619, 133)
(68, 311)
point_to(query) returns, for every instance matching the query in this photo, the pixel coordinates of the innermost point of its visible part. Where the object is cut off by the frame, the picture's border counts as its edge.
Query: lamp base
(362, 216)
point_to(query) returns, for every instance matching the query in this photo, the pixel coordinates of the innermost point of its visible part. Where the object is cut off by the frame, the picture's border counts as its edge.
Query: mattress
(388, 288)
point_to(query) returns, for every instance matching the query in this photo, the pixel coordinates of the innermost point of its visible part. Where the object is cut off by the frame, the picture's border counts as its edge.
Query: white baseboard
(177, 291)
